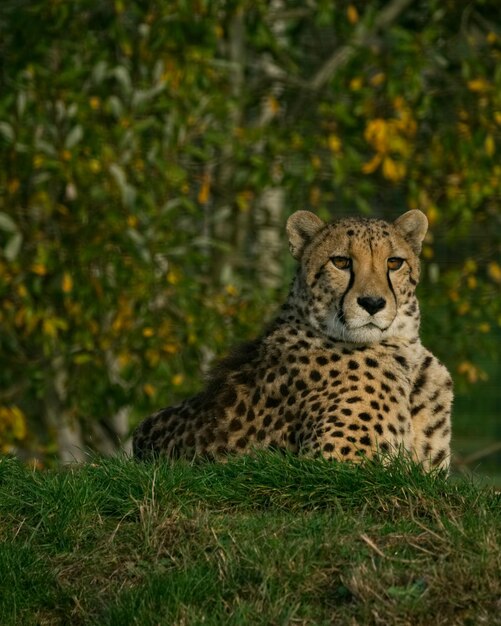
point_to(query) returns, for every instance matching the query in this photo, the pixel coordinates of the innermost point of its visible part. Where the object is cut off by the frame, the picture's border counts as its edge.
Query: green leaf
(74, 136)
(7, 131)
(13, 247)
(7, 223)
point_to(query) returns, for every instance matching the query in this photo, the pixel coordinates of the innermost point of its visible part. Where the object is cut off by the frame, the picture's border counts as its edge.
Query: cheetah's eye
(394, 263)
(341, 262)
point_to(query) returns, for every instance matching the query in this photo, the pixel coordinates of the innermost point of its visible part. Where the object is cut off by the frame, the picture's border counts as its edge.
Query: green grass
(265, 540)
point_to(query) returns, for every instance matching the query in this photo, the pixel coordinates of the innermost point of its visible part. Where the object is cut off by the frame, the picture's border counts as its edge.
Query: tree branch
(479, 454)
(361, 38)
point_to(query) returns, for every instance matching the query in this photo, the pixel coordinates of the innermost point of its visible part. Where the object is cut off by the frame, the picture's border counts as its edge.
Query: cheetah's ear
(412, 226)
(301, 227)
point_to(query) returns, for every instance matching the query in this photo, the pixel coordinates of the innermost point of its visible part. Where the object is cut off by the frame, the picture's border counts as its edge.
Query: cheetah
(340, 372)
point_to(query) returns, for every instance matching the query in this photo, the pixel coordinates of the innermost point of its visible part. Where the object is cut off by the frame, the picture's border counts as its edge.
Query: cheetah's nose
(371, 305)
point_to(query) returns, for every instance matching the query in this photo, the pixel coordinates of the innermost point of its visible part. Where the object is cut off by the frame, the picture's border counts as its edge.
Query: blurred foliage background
(150, 153)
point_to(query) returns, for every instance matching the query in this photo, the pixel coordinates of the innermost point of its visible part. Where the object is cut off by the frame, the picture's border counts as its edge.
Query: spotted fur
(340, 372)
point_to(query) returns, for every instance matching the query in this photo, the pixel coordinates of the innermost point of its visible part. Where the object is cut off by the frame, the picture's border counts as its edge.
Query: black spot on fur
(402, 360)
(272, 403)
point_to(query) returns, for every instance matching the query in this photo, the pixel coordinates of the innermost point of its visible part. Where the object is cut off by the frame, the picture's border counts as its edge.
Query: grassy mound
(270, 539)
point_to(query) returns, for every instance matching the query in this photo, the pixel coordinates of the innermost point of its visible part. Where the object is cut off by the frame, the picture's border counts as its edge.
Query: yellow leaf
(273, 104)
(204, 192)
(399, 104)
(490, 145)
(494, 271)
(378, 79)
(244, 199)
(22, 291)
(177, 380)
(478, 85)
(170, 348)
(393, 170)
(39, 269)
(427, 252)
(334, 143)
(356, 83)
(149, 390)
(484, 327)
(49, 327)
(18, 423)
(372, 165)
(13, 185)
(315, 195)
(124, 358)
(67, 283)
(352, 14)
(376, 133)
(316, 161)
(173, 277)
(469, 370)
(148, 332)
(470, 266)
(82, 359)
(94, 166)
(12, 424)
(432, 214)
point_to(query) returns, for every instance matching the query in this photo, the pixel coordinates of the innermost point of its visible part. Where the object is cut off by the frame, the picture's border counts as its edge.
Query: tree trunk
(269, 217)
(67, 429)
(229, 221)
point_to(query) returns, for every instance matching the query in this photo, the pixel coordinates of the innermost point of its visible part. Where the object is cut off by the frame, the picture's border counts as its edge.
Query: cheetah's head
(357, 276)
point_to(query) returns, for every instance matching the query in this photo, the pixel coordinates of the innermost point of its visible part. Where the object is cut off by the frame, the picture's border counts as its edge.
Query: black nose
(372, 305)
